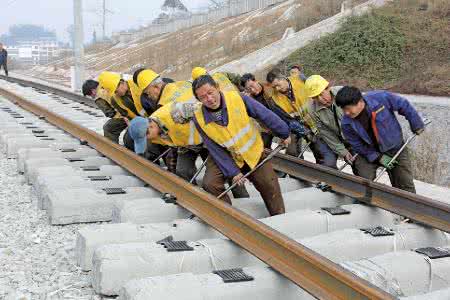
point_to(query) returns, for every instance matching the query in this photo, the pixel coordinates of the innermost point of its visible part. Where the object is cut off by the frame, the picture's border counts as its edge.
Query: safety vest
(136, 97)
(240, 137)
(104, 95)
(179, 91)
(181, 135)
(298, 107)
(136, 94)
(225, 85)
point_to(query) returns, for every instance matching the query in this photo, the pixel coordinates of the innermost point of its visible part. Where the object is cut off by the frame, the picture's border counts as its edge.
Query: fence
(232, 8)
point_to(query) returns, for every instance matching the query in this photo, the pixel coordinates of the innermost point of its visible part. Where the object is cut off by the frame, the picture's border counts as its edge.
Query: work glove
(419, 131)
(297, 128)
(387, 162)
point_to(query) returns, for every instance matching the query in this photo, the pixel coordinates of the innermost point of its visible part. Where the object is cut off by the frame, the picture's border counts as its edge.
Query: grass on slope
(404, 46)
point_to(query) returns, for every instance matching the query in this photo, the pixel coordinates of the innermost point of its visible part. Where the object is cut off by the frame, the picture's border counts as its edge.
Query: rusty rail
(416, 207)
(311, 271)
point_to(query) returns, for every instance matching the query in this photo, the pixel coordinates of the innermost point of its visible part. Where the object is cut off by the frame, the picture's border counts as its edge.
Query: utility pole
(104, 20)
(78, 70)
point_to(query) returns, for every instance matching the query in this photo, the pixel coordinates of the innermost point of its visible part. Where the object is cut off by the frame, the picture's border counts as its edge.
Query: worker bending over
(291, 96)
(116, 124)
(263, 92)
(227, 81)
(234, 142)
(373, 131)
(328, 117)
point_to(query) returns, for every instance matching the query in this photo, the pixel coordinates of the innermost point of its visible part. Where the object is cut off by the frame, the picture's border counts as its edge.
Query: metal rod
(347, 163)
(199, 170)
(162, 155)
(272, 154)
(304, 149)
(426, 122)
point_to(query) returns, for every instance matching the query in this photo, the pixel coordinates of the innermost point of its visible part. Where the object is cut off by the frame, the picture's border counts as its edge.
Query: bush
(403, 46)
(369, 46)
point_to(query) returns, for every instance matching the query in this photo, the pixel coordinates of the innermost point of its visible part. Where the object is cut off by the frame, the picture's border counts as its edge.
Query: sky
(57, 15)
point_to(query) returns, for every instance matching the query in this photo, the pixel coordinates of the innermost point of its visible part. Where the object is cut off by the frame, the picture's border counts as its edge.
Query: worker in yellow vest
(234, 142)
(116, 124)
(125, 98)
(171, 126)
(291, 96)
(161, 92)
(227, 81)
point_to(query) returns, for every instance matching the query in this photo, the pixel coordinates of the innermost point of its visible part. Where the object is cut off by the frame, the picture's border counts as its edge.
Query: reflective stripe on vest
(179, 91)
(225, 85)
(240, 137)
(181, 135)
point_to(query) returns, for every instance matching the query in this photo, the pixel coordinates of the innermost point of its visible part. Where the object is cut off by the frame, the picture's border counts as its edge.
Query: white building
(34, 52)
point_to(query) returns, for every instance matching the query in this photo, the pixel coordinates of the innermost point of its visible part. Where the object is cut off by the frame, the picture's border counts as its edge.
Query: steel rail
(425, 210)
(311, 271)
(54, 90)
(416, 207)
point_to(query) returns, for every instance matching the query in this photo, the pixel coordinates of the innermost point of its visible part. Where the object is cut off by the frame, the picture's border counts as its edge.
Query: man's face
(294, 72)
(153, 91)
(325, 98)
(152, 130)
(1, 46)
(209, 96)
(122, 89)
(281, 85)
(353, 111)
(253, 87)
(93, 93)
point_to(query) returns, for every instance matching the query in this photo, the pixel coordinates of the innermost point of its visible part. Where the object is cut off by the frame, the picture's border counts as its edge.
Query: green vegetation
(404, 46)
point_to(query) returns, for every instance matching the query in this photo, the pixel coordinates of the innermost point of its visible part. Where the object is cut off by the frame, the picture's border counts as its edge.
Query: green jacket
(329, 128)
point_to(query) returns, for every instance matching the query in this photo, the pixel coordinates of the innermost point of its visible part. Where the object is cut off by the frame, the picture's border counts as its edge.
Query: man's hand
(239, 179)
(348, 158)
(419, 131)
(387, 162)
(126, 121)
(286, 142)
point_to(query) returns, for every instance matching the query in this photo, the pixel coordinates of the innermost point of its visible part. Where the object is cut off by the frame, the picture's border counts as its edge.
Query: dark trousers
(400, 176)
(267, 139)
(5, 67)
(295, 147)
(264, 179)
(186, 168)
(323, 154)
(113, 128)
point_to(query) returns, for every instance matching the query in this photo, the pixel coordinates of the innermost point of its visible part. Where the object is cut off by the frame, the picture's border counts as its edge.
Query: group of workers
(228, 120)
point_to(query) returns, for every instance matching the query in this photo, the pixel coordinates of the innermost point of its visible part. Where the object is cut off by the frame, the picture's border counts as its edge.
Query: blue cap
(138, 132)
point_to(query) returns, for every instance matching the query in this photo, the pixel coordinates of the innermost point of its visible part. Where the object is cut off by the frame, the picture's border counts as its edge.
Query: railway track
(274, 240)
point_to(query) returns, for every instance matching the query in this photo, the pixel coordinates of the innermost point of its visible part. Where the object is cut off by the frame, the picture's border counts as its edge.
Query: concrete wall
(431, 150)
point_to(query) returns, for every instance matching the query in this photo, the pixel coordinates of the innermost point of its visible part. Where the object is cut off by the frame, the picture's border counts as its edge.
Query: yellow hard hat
(315, 85)
(197, 72)
(109, 81)
(145, 78)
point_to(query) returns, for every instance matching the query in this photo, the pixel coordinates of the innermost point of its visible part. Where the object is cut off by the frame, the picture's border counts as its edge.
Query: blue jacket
(381, 106)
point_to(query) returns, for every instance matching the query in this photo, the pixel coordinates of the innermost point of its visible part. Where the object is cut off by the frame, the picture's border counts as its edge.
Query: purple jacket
(255, 110)
(381, 106)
